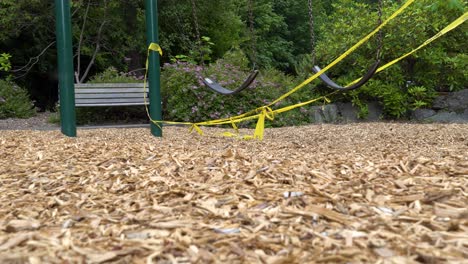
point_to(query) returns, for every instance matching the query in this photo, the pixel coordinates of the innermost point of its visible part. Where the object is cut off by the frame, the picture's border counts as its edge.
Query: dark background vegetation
(109, 44)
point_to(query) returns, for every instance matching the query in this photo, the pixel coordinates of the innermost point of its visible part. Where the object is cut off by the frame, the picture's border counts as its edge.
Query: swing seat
(358, 84)
(220, 89)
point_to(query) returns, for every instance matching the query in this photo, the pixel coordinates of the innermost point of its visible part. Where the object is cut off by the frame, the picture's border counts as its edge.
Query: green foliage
(220, 22)
(107, 115)
(281, 40)
(295, 117)
(363, 108)
(16, 15)
(186, 98)
(54, 118)
(5, 64)
(420, 97)
(111, 75)
(26, 30)
(116, 29)
(17, 103)
(238, 58)
(200, 54)
(394, 100)
(409, 84)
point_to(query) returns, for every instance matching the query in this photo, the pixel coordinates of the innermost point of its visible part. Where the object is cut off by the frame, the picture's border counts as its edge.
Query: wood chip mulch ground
(356, 193)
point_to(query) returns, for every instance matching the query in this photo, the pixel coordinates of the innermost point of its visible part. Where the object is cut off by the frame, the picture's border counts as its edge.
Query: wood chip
(355, 193)
(22, 225)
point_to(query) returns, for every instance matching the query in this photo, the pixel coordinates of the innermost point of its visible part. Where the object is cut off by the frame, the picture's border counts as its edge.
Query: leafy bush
(201, 54)
(115, 114)
(111, 75)
(409, 84)
(54, 117)
(185, 97)
(420, 97)
(17, 103)
(396, 101)
(5, 64)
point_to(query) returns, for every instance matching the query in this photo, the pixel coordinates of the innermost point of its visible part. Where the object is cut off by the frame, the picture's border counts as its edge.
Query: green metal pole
(155, 107)
(65, 67)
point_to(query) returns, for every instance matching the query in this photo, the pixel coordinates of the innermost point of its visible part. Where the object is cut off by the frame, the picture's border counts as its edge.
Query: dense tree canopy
(112, 33)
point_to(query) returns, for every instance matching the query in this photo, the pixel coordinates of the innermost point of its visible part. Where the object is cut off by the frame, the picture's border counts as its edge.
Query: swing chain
(380, 35)
(253, 42)
(197, 31)
(195, 19)
(312, 33)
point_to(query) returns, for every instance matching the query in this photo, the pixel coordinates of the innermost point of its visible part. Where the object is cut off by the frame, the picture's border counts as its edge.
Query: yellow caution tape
(345, 54)
(444, 31)
(267, 113)
(152, 47)
(155, 47)
(315, 76)
(229, 134)
(197, 128)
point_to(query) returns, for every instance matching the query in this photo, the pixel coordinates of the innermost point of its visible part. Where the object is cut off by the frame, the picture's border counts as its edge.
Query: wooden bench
(110, 94)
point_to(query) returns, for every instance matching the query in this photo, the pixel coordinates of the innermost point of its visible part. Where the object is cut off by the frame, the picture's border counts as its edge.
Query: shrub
(102, 115)
(111, 75)
(54, 118)
(396, 102)
(412, 82)
(185, 97)
(420, 97)
(17, 103)
(5, 64)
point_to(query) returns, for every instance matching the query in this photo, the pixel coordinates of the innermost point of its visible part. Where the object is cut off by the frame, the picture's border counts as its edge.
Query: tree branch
(96, 50)
(78, 67)
(32, 61)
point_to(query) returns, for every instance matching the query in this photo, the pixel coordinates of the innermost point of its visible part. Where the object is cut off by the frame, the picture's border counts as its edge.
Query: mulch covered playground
(351, 193)
(356, 193)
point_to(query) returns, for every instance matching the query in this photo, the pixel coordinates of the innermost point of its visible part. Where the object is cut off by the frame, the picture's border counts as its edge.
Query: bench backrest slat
(109, 90)
(110, 95)
(110, 85)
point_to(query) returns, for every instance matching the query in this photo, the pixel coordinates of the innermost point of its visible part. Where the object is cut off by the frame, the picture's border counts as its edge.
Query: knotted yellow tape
(196, 128)
(155, 47)
(152, 47)
(268, 113)
(234, 126)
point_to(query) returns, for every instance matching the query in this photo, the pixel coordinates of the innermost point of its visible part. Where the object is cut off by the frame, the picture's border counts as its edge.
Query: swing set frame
(66, 70)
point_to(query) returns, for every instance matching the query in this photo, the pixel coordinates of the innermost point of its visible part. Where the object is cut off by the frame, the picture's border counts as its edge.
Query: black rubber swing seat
(358, 84)
(219, 89)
